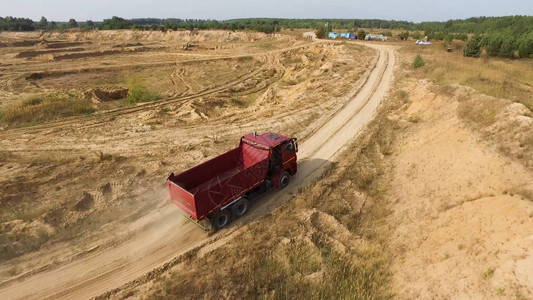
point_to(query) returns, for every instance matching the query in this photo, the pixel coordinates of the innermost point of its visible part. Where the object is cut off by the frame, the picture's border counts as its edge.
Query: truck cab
(282, 155)
(220, 189)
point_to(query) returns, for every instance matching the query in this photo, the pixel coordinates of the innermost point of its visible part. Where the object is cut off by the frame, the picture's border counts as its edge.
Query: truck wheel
(221, 219)
(240, 208)
(283, 180)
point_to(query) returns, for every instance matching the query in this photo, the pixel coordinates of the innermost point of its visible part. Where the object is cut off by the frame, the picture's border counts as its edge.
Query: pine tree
(473, 47)
(508, 47)
(72, 23)
(43, 23)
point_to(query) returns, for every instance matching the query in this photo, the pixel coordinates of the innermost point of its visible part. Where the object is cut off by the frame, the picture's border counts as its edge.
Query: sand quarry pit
(89, 180)
(84, 209)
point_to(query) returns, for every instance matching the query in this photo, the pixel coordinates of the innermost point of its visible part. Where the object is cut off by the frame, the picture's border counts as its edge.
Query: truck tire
(283, 180)
(240, 208)
(221, 219)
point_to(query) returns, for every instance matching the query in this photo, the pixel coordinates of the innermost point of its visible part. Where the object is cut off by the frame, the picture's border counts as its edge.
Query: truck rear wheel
(283, 180)
(221, 219)
(240, 208)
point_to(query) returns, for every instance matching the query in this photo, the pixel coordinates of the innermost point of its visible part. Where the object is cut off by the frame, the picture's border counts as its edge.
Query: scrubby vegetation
(473, 47)
(501, 44)
(139, 93)
(361, 34)
(501, 78)
(418, 62)
(115, 23)
(44, 108)
(321, 32)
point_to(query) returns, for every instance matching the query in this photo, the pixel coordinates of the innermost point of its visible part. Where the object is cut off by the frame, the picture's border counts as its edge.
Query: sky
(405, 10)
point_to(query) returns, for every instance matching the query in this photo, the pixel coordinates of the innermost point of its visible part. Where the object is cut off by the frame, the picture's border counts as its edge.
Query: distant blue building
(345, 35)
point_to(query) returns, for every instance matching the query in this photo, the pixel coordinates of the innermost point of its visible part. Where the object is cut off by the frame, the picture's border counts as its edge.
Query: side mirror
(295, 142)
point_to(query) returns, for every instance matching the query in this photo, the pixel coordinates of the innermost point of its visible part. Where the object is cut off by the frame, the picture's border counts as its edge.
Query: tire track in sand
(169, 238)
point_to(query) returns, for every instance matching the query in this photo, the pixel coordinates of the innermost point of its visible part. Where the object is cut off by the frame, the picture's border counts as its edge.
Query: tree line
(188, 24)
(25, 24)
(506, 44)
(477, 25)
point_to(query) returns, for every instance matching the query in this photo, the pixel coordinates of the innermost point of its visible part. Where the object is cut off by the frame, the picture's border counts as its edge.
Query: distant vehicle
(421, 42)
(221, 189)
(371, 37)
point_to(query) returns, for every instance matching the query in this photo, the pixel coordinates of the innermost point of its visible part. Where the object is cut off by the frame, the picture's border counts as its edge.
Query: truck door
(289, 153)
(275, 161)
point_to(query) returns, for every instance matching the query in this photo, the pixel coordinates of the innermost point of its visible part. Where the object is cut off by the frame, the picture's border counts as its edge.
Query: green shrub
(418, 62)
(361, 34)
(321, 32)
(461, 36)
(493, 44)
(404, 34)
(473, 46)
(525, 45)
(508, 47)
(416, 35)
(439, 36)
(139, 93)
(448, 39)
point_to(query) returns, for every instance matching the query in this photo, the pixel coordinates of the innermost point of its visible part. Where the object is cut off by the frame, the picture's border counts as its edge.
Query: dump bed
(213, 184)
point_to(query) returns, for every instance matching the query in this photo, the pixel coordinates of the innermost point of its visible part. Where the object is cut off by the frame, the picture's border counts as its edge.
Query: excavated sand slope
(460, 229)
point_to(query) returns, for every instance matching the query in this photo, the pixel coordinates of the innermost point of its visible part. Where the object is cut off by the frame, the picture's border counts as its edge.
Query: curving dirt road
(166, 235)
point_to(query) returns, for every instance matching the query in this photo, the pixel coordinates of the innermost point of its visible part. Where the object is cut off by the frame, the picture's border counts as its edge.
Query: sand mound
(157, 36)
(513, 128)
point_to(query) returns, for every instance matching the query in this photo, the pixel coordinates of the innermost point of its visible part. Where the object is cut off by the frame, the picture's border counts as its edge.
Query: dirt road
(165, 233)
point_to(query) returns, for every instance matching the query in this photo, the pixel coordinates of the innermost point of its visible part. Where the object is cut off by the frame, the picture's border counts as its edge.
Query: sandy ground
(136, 248)
(461, 208)
(115, 159)
(462, 215)
(459, 228)
(316, 154)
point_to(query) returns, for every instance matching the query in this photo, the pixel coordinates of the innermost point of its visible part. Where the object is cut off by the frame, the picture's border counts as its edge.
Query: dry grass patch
(39, 109)
(138, 93)
(498, 77)
(26, 240)
(280, 261)
(501, 111)
(480, 111)
(503, 122)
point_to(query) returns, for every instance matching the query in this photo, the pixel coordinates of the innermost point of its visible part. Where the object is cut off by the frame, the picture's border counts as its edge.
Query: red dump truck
(221, 188)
